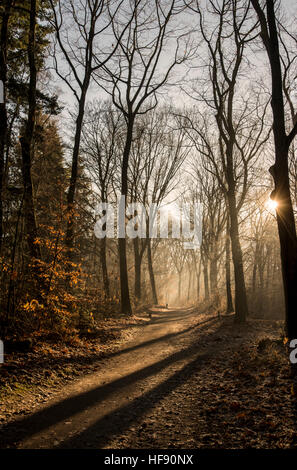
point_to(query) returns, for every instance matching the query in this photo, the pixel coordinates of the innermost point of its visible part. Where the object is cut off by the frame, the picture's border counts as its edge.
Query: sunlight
(271, 204)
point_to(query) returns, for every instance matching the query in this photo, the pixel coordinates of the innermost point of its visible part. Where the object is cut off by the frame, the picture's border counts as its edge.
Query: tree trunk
(288, 245)
(125, 296)
(261, 281)
(198, 279)
(190, 283)
(280, 173)
(285, 215)
(3, 112)
(104, 267)
(27, 141)
(205, 277)
(151, 272)
(254, 278)
(213, 276)
(179, 286)
(69, 238)
(230, 307)
(241, 308)
(137, 263)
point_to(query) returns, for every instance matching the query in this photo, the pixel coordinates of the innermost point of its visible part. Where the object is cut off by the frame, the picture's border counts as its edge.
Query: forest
(148, 204)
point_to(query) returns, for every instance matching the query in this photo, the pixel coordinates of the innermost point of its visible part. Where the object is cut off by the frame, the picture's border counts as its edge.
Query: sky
(67, 98)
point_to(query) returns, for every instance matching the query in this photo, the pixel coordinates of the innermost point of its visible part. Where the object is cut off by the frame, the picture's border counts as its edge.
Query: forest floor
(180, 380)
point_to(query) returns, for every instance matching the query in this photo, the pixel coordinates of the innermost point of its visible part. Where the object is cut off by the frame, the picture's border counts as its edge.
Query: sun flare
(271, 204)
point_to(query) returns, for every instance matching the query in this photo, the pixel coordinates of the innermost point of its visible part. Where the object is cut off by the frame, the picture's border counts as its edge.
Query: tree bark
(198, 279)
(230, 307)
(151, 272)
(205, 277)
(254, 277)
(190, 284)
(241, 308)
(280, 173)
(137, 264)
(69, 238)
(213, 276)
(27, 142)
(125, 296)
(3, 111)
(285, 215)
(104, 267)
(179, 286)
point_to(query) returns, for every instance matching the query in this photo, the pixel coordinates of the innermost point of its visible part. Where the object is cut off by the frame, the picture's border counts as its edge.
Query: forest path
(185, 381)
(103, 405)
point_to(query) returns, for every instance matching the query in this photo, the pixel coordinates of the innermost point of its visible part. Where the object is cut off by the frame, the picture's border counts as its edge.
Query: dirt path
(167, 388)
(127, 375)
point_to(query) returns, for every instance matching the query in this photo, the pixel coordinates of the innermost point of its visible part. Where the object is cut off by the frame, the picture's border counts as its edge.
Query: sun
(272, 204)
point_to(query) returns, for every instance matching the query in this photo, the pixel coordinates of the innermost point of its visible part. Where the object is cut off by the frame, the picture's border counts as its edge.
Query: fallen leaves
(32, 375)
(234, 400)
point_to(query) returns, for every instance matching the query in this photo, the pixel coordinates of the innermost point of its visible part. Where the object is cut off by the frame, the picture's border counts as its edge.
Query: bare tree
(280, 169)
(137, 73)
(80, 30)
(229, 306)
(100, 147)
(157, 154)
(26, 139)
(237, 118)
(3, 112)
(179, 257)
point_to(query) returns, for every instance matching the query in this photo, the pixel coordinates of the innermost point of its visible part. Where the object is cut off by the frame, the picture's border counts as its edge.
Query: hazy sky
(67, 97)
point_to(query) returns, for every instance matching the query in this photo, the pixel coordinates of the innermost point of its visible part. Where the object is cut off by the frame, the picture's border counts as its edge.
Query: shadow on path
(51, 415)
(116, 422)
(100, 356)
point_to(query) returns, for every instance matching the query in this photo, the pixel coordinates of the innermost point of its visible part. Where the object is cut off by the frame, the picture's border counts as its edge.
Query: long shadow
(154, 319)
(116, 422)
(166, 337)
(87, 360)
(162, 338)
(159, 321)
(157, 316)
(174, 317)
(40, 420)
